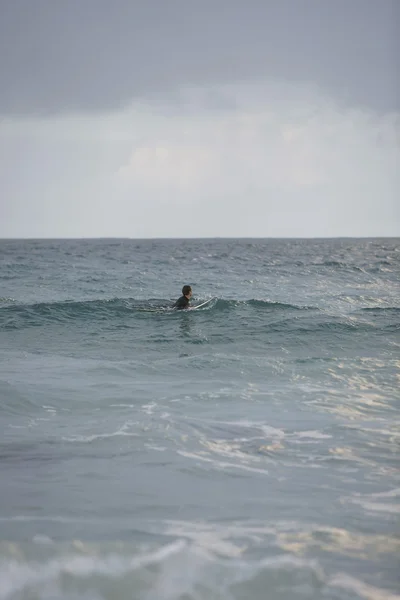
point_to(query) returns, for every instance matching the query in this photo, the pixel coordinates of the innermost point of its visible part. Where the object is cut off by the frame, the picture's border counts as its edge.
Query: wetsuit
(183, 302)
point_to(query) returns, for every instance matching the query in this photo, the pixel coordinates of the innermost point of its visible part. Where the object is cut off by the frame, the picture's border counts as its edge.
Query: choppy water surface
(246, 450)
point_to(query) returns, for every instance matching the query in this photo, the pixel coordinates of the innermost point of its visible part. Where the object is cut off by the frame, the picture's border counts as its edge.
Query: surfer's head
(187, 291)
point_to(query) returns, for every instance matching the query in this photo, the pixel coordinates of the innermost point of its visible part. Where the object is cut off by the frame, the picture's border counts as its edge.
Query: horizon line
(94, 238)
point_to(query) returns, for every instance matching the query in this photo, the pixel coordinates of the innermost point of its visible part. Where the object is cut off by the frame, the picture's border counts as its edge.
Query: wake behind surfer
(183, 301)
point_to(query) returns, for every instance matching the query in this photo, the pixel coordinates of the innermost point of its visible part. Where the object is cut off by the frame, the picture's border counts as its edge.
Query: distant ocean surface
(248, 450)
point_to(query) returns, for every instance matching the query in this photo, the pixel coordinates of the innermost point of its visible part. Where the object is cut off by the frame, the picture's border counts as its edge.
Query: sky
(218, 118)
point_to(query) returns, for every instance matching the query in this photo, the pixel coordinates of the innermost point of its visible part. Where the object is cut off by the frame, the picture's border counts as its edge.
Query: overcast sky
(175, 118)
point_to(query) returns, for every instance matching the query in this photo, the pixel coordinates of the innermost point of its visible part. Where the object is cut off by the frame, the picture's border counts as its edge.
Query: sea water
(245, 450)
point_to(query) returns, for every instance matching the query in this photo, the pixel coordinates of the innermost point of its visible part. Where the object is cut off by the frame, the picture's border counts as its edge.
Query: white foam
(375, 506)
(370, 503)
(211, 558)
(316, 435)
(100, 436)
(16, 577)
(389, 494)
(51, 518)
(221, 539)
(220, 464)
(363, 590)
(266, 429)
(149, 408)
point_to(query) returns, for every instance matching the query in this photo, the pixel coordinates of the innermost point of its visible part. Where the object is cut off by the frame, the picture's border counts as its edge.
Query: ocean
(246, 450)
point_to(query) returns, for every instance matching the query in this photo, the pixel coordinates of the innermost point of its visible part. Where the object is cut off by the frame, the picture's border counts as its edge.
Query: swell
(337, 265)
(378, 310)
(18, 316)
(118, 311)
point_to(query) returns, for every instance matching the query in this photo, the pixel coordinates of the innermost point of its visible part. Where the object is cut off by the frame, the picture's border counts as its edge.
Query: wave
(119, 312)
(381, 309)
(207, 556)
(336, 264)
(17, 316)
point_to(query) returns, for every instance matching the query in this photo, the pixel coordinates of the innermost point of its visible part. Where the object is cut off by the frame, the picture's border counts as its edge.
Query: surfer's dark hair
(186, 289)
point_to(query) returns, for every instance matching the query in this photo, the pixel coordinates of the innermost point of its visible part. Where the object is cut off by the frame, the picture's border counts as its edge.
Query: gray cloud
(88, 55)
(287, 161)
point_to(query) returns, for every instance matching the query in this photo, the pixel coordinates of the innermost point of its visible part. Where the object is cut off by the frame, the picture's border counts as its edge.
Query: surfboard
(200, 305)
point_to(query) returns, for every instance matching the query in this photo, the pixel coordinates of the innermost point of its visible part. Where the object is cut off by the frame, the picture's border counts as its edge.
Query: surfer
(183, 301)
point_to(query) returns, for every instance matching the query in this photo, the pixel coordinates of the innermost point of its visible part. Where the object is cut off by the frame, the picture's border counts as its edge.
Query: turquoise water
(246, 450)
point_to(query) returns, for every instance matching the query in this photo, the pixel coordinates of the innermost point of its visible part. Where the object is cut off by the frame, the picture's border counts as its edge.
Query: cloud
(64, 57)
(270, 160)
(292, 147)
(166, 165)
